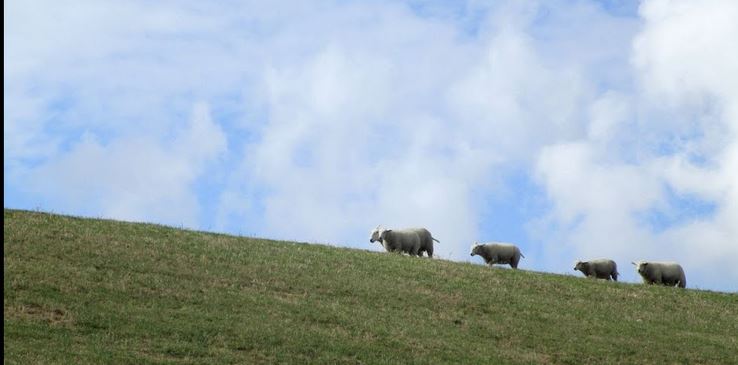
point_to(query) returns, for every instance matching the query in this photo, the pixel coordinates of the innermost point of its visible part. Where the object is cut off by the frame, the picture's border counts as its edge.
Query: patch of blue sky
(240, 118)
(220, 173)
(570, 37)
(467, 19)
(207, 190)
(504, 215)
(681, 144)
(679, 209)
(626, 8)
(70, 119)
(555, 11)
(58, 109)
(303, 156)
(14, 196)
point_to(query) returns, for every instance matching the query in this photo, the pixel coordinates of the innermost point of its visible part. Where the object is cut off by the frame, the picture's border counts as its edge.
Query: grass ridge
(81, 290)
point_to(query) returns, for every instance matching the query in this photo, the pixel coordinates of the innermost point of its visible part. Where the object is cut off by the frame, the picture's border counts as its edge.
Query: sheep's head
(579, 265)
(375, 235)
(475, 249)
(640, 266)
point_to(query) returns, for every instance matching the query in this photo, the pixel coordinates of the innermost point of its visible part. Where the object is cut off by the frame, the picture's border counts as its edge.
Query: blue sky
(575, 129)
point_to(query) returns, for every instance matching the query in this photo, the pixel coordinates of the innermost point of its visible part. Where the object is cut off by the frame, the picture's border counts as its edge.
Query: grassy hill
(89, 291)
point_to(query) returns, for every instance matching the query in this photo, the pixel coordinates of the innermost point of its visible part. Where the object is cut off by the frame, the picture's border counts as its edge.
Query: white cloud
(687, 49)
(138, 178)
(686, 56)
(343, 152)
(400, 131)
(672, 143)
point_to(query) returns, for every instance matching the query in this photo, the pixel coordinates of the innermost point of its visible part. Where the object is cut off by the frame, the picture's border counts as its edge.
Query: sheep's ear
(634, 263)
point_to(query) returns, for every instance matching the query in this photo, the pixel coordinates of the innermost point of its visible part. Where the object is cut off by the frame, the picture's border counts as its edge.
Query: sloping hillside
(99, 291)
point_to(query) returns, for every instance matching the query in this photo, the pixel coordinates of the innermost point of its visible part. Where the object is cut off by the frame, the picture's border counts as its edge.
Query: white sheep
(498, 253)
(403, 240)
(666, 273)
(600, 268)
(426, 239)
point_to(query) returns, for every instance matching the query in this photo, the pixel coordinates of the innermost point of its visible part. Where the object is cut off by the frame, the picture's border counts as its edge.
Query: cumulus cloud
(400, 130)
(349, 142)
(607, 188)
(136, 178)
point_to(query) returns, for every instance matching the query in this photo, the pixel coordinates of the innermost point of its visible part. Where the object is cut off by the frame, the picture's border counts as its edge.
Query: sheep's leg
(492, 261)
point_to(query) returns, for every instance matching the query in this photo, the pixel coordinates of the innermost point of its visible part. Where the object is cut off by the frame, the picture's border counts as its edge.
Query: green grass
(89, 291)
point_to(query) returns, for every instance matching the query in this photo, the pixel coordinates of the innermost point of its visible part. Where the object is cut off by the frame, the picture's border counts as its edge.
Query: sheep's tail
(521, 255)
(435, 240)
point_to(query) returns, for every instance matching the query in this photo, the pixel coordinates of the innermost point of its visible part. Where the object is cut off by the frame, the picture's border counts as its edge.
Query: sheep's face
(375, 235)
(579, 265)
(640, 266)
(476, 249)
